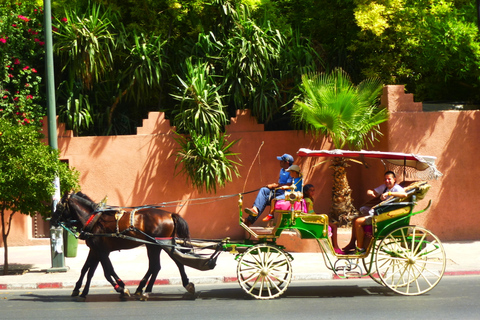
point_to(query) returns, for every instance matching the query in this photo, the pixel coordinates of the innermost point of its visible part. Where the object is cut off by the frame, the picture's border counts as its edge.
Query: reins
(174, 203)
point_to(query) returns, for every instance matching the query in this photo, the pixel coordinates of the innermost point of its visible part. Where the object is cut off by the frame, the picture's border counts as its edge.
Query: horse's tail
(181, 229)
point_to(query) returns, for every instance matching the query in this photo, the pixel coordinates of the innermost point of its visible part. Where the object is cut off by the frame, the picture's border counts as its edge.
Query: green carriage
(408, 259)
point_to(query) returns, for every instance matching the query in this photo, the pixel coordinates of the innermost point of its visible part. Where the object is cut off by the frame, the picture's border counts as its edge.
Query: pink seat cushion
(285, 205)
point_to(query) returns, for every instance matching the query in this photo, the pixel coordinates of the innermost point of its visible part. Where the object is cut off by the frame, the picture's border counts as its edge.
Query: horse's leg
(153, 253)
(182, 231)
(109, 272)
(190, 287)
(85, 268)
(117, 278)
(91, 271)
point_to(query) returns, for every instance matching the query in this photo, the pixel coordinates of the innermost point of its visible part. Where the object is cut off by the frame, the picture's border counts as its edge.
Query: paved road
(454, 297)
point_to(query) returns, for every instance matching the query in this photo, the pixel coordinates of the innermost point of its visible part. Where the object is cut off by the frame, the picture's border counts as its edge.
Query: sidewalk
(463, 258)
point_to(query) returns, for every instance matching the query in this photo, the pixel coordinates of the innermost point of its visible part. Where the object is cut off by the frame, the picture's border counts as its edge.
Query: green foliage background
(201, 60)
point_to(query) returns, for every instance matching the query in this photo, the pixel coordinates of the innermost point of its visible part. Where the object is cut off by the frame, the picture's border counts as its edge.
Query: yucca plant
(206, 160)
(201, 108)
(76, 112)
(144, 65)
(86, 43)
(204, 153)
(348, 114)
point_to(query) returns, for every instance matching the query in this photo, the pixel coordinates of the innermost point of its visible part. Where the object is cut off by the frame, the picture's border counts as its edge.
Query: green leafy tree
(349, 114)
(431, 46)
(27, 171)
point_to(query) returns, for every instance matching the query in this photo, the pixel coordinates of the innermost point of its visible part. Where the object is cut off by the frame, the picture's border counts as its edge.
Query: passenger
(297, 181)
(387, 190)
(308, 194)
(267, 193)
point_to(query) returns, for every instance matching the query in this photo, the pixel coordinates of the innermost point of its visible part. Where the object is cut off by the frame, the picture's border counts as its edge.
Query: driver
(267, 193)
(387, 190)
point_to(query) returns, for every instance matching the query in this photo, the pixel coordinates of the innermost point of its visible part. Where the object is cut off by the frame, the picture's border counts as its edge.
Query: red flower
(41, 43)
(34, 70)
(23, 18)
(26, 68)
(10, 75)
(64, 19)
(3, 40)
(16, 61)
(15, 99)
(29, 97)
(5, 97)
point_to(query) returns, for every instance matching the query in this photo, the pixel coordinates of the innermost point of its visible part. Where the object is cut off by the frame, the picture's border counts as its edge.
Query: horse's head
(62, 212)
(73, 210)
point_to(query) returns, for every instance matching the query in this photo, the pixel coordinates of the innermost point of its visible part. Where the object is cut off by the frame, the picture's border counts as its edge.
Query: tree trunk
(5, 257)
(5, 247)
(342, 209)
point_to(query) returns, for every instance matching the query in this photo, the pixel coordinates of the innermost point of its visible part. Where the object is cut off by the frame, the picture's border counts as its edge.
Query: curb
(177, 281)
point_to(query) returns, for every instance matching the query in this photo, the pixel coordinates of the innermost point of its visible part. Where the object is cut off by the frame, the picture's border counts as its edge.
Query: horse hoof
(190, 287)
(75, 293)
(138, 295)
(145, 297)
(126, 292)
(81, 299)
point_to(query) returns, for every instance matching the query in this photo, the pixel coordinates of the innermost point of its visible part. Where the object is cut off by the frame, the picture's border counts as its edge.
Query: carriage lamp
(293, 196)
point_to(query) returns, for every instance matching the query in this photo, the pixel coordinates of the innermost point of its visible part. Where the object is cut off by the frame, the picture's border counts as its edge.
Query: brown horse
(114, 228)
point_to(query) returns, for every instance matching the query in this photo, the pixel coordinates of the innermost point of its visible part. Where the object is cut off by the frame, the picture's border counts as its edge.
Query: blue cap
(286, 157)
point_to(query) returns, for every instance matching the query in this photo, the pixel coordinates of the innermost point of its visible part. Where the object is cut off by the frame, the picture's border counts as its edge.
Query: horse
(112, 228)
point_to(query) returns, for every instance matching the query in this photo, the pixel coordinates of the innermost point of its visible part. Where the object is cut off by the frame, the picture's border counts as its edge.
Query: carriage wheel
(264, 271)
(410, 260)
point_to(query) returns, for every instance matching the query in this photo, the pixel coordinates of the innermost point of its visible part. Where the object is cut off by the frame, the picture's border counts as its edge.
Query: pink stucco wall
(140, 169)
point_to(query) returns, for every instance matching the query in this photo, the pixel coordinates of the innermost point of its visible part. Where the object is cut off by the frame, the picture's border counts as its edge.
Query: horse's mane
(86, 199)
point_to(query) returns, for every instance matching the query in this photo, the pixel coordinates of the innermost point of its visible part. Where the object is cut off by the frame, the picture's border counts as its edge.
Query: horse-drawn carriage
(408, 259)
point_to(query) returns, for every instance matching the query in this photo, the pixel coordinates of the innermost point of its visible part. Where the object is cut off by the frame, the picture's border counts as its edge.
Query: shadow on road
(335, 291)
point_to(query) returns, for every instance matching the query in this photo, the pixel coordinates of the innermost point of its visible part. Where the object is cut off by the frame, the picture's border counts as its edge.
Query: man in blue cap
(267, 193)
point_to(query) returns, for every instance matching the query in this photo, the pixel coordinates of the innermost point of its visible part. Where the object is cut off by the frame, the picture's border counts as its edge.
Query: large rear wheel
(264, 271)
(410, 260)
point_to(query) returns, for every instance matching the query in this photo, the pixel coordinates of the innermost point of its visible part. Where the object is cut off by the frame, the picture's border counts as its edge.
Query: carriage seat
(397, 207)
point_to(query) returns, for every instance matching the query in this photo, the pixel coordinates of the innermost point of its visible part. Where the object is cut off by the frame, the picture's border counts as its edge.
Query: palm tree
(349, 115)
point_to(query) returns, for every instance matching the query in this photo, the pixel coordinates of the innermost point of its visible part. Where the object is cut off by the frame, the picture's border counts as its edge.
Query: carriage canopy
(420, 166)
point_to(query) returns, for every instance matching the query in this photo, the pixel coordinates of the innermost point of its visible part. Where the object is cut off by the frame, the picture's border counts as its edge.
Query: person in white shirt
(387, 190)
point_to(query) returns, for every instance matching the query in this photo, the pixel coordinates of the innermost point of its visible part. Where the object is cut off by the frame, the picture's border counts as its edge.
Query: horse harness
(90, 224)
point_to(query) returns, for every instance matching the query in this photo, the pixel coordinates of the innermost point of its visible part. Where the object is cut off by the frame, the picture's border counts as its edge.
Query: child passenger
(297, 181)
(308, 194)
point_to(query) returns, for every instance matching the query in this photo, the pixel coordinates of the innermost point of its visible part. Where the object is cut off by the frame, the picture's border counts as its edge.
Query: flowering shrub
(21, 55)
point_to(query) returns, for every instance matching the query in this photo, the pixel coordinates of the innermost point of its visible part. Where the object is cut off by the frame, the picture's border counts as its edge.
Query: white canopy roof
(418, 162)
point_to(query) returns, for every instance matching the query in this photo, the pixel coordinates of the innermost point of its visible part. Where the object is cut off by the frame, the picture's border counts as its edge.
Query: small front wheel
(264, 271)
(410, 260)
